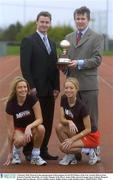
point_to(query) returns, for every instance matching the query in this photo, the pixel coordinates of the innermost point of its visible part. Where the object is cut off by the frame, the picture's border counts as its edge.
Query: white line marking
(108, 65)
(3, 149)
(105, 82)
(7, 76)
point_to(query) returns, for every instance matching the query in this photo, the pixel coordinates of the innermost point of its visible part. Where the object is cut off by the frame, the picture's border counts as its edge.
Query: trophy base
(63, 61)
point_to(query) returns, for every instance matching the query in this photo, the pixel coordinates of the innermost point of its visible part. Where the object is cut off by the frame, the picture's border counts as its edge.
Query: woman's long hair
(14, 83)
(74, 81)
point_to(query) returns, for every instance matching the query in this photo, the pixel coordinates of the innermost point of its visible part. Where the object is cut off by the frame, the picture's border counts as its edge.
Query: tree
(59, 32)
(29, 28)
(9, 34)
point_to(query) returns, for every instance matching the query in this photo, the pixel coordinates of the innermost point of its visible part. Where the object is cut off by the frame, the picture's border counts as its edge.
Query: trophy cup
(63, 59)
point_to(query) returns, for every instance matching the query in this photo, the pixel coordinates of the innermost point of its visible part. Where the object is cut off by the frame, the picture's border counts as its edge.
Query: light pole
(107, 23)
(24, 12)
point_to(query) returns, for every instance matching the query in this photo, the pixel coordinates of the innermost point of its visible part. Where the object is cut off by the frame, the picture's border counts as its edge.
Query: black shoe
(78, 156)
(28, 157)
(47, 156)
(27, 149)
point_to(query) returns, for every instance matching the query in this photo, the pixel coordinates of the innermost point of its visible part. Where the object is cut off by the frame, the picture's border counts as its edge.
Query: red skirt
(20, 129)
(92, 140)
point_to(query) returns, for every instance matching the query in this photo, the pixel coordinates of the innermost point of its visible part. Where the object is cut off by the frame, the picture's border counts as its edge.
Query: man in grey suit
(85, 52)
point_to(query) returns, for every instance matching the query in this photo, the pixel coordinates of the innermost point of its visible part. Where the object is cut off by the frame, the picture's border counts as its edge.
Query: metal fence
(3, 48)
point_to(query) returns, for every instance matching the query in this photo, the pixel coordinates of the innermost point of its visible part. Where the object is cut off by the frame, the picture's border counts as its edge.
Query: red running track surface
(9, 68)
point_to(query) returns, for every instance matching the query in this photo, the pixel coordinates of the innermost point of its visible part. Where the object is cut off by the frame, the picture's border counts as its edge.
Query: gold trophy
(63, 59)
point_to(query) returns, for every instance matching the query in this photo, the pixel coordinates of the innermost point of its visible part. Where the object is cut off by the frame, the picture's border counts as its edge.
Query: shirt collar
(83, 31)
(41, 34)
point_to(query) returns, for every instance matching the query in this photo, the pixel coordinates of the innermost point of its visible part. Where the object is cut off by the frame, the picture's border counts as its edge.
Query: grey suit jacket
(90, 49)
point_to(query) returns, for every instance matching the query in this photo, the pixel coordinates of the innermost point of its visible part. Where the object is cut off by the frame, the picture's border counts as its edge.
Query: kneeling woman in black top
(74, 130)
(24, 122)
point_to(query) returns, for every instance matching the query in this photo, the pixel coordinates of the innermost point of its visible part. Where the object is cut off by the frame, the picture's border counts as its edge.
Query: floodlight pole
(24, 12)
(107, 23)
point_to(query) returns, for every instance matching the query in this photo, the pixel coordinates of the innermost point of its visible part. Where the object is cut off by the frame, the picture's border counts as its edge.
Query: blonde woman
(24, 123)
(74, 130)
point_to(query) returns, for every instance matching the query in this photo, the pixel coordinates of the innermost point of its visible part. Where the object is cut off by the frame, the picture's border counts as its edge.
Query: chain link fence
(3, 48)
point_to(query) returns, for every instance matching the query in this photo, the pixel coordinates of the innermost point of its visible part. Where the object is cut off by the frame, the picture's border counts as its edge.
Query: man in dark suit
(85, 52)
(38, 59)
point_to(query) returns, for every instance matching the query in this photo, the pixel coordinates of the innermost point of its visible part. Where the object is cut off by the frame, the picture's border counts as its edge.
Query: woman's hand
(28, 134)
(8, 161)
(72, 127)
(66, 145)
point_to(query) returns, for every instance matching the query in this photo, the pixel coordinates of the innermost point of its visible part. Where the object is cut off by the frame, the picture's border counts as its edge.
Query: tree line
(16, 32)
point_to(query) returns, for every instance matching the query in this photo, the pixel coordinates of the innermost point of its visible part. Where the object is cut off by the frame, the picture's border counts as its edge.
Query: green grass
(108, 53)
(13, 50)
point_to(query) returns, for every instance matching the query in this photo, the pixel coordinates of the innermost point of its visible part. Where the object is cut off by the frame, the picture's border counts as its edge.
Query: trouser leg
(27, 149)
(91, 100)
(47, 107)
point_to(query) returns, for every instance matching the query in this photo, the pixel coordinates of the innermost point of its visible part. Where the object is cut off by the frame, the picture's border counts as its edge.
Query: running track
(9, 68)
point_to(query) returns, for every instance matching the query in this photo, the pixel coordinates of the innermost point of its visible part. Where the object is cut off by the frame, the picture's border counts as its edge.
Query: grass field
(108, 53)
(15, 50)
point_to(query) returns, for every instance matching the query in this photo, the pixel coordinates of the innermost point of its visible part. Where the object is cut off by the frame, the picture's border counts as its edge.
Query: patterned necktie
(79, 34)
(47, 45)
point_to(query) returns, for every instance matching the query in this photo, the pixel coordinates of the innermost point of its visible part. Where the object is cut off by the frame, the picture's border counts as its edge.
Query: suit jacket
(37, 66)
(89, 48)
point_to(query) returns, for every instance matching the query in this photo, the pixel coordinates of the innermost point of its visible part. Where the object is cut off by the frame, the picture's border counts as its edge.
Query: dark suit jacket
(37, 66)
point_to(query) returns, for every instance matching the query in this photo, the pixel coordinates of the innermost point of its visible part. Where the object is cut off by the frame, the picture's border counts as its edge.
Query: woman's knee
(39, 130)
(19, 138)
(59, 128)
(20, 141)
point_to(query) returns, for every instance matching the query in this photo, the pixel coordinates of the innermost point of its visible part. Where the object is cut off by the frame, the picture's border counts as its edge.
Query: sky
(23, 11)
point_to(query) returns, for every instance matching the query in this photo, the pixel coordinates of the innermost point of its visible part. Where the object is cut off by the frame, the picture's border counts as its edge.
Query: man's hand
(55, 93)
(73, 64)
(62, 67)
(33, 91)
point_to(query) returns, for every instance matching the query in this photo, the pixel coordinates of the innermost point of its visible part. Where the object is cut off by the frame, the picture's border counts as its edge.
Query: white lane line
(105, 82)
(7, 76)
(3, 149)
(108, 65)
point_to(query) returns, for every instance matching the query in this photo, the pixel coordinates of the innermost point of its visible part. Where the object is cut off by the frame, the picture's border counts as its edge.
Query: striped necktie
(47, 45)
(79, 34)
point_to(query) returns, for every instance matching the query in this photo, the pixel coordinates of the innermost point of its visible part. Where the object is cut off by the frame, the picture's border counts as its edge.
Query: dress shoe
(78, 156)
(28, 157)
(47, 156)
